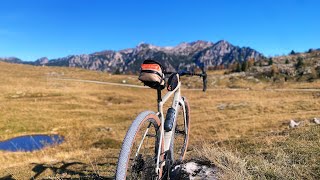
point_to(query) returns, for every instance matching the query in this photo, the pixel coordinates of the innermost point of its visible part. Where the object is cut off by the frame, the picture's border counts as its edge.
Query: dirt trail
(218, 89)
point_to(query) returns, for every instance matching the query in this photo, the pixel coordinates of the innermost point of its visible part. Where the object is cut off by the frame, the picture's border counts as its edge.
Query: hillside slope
(298, 66)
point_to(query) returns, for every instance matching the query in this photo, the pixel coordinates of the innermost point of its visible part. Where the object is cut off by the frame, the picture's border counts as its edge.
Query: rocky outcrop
(223, 53)
(41, 61)
(194, 170)
(298, 66)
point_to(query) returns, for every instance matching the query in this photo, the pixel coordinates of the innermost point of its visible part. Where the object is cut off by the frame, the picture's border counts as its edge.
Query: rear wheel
(138, 155)
(180, 135)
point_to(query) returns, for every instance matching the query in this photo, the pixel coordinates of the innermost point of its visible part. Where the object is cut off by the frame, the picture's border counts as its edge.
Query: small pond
(30, 142)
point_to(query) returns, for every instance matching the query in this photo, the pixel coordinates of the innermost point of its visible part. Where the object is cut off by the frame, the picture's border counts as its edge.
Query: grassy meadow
(243, 131)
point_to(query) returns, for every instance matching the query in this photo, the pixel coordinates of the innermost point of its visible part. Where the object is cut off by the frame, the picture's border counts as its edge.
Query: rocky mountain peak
(182, 45)
(222, 42)
(11, 59)
(103, 52)
(42, 61)
(188, 49)
(143, 45)
(222, 47)
(201, 43)
(195, 44)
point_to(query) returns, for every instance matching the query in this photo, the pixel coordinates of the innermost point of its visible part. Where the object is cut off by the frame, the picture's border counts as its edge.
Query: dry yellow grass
(288, 154)
(94, 118)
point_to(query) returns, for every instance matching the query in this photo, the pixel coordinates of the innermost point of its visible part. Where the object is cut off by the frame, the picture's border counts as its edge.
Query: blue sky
(30, 29)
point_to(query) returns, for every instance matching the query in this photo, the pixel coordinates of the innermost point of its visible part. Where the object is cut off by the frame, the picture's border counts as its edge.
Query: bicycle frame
(167, 136)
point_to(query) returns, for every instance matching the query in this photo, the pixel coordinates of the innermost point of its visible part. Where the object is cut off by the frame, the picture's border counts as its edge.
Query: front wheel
(180, 134)
(138, 155)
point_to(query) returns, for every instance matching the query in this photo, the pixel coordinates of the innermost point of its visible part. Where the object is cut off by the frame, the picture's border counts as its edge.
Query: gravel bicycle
(155, 143)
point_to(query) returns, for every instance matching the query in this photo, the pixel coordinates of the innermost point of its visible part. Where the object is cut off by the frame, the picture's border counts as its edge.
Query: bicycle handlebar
(203, 75)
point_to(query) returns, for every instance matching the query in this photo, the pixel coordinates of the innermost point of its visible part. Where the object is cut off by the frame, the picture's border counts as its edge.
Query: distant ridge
(11, 60)
(184, 55)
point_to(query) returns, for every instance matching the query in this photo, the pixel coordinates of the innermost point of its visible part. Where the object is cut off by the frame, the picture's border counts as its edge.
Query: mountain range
(182, 56)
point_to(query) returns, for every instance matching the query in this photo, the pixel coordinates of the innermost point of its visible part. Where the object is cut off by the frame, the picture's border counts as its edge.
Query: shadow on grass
(62, 170)
(9, 177)
(70, 170)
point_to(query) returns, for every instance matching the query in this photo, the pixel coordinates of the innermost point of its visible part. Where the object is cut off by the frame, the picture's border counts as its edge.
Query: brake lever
(203, 75)
(204, 79)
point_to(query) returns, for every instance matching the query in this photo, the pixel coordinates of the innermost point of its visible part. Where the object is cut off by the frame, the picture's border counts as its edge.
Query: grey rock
(192, 170)
(222, 106)
(293, 124)
(316, 120)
